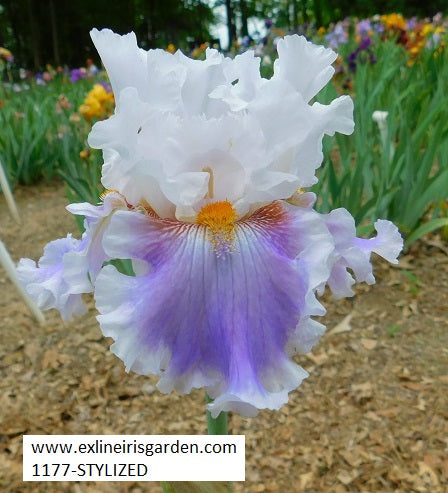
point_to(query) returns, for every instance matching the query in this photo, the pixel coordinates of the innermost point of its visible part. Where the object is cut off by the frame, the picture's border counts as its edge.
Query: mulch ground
(372, 416)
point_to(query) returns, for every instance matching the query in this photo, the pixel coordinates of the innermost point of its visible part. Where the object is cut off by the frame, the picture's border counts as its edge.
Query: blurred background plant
(44, 133)
(395, 169)
(402, 175)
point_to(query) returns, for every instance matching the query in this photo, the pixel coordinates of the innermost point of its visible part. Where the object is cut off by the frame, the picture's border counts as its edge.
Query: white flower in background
(380, 117)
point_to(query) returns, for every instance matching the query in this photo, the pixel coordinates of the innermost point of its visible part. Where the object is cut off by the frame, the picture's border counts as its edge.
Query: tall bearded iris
(205, 163)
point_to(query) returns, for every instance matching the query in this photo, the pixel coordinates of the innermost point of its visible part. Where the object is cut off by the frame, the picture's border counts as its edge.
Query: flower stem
(216, 426)
(166, 488)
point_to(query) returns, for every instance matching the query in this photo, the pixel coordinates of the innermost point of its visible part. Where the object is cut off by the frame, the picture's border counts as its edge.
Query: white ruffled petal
(245, 80)
(124, 61)
(388, 243)
(354, 253)
(306, 66)
(45, 282)
(184, 116)
(337, 116)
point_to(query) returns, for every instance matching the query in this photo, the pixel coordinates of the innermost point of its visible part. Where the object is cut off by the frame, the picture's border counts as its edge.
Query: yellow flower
(98, 103)
(91, 108)
(99, 92)
(393, 21)
(6, 55)
(427, 29)
(321, 31)
(84, 154)
(171, 48)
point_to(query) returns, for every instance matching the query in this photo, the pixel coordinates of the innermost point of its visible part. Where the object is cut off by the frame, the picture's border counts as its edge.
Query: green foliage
(24, 146)
(34, 137)
(405, 177)
(425, 228)
(41, 140)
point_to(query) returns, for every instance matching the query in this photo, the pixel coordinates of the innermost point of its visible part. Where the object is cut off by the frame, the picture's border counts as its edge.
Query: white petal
(124, 61)
(45, 283)
(306, 66)
(388, 243)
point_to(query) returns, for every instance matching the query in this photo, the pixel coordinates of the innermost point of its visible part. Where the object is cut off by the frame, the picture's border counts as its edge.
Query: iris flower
(338, 36)
(205, 165)
(98, 103)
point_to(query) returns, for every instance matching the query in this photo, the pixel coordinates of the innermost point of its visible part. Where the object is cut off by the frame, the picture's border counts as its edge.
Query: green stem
(166, 488)
(216, 426)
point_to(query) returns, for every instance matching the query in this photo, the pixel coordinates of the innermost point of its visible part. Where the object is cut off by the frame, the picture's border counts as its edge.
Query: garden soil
(371, 417)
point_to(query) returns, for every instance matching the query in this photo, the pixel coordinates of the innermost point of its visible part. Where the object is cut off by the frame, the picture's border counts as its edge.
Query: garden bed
(372, 416)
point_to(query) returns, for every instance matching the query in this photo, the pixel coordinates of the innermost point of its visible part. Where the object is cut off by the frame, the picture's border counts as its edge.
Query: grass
(41, 139)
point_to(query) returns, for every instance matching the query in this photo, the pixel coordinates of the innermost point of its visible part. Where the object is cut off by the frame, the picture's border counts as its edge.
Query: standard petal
(306, 66)
(124, 61)
(200, 80)
(243, 81)
(294, 138)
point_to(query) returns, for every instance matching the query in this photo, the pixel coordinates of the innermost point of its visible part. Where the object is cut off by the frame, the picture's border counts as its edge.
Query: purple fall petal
(199, 319)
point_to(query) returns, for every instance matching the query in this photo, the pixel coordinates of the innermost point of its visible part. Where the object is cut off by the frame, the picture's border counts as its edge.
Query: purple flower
(364, 44)
(364, 28)
(411, 23)
(246, 41)
(77, 74)
(378, 27)
(338, 36)
(39, 78)
(362, 54)
(106, 86)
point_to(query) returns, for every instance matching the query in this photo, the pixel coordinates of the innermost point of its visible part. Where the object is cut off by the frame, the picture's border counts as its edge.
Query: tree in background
(291, 14)
(57, 31)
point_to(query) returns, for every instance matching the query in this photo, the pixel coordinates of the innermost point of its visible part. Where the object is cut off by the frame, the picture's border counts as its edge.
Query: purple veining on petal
(203, 320)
